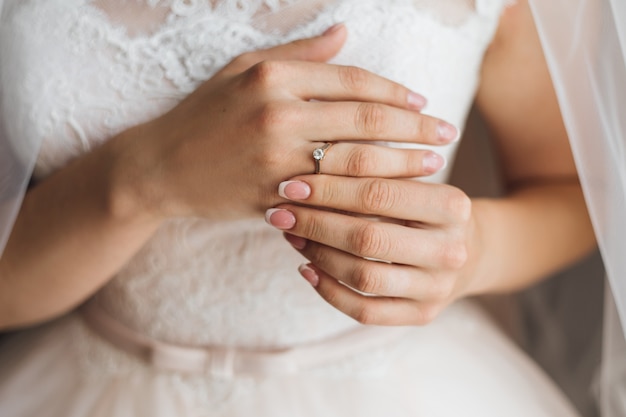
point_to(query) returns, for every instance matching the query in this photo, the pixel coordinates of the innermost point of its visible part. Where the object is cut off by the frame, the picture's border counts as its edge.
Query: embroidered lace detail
(89, 72)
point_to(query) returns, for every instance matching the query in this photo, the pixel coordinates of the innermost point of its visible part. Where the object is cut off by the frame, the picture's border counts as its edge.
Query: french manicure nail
(280, 218)
(309, 274)
(294, 190)
(297, 242)
(446, 132)
(416, 101)
(433, 162)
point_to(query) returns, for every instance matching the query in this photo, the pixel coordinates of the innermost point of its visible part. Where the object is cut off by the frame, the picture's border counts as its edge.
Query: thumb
(318, 48)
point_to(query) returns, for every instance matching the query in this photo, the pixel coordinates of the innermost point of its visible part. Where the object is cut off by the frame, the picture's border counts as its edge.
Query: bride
(165, 131)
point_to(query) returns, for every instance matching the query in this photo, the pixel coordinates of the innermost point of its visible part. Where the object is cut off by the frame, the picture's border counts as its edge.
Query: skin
(78, 227)
(441, 245)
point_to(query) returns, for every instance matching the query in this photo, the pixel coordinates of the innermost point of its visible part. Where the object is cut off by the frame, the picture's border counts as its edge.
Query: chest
(81, 71)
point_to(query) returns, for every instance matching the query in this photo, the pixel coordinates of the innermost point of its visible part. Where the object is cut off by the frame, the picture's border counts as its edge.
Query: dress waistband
(227, 362)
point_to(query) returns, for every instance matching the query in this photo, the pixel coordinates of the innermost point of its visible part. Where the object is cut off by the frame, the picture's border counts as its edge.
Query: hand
(427, 249)
(221, 152)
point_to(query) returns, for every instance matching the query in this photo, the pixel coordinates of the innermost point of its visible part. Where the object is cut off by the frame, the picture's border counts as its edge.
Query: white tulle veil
(17, 159)
(585, 45)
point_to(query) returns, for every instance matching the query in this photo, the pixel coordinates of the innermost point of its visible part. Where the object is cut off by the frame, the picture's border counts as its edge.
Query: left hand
(428, 246)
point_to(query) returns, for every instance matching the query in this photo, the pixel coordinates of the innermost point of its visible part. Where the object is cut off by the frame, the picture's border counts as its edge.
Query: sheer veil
(17, 156)
(585, 45)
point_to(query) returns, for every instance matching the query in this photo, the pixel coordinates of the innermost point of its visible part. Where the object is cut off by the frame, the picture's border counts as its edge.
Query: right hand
(222, 151)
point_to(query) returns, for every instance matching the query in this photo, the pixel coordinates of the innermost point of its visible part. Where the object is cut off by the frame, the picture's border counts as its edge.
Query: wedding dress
(80, 71)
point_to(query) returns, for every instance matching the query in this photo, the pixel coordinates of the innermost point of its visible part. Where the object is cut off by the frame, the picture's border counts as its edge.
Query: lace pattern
(88, 74)
(94, 68)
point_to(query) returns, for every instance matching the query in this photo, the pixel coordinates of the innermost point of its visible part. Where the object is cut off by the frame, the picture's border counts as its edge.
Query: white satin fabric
(585, 44)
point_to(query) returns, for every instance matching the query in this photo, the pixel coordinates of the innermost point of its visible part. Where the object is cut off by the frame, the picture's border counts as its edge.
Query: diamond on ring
(319, 154)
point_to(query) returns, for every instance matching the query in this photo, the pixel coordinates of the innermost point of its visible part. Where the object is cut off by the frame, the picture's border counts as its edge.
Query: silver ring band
(319, 154)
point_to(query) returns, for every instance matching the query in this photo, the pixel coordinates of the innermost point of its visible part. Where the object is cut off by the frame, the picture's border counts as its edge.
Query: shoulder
(516, 23)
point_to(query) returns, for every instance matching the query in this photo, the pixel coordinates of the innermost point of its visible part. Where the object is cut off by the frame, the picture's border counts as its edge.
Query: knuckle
(361, 162)
(458, 205)
(370, 119)
(369, 240)
(368, 279)
(454, 255)
(353, 79)
(425, 128)
(327, 191)
(365, 314)
(318, 254)
(267, 161)
(265, 74)
(272, 118)
(379, 196)
(312, 228)
(420, 126)
(442, 288)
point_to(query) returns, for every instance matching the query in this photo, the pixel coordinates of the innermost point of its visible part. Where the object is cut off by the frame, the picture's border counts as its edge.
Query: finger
(318, 81)
(318, 48)
(382, 311)
(428, 204)
(352, 160)
(428, 249)
(371, 277)
(374, 122)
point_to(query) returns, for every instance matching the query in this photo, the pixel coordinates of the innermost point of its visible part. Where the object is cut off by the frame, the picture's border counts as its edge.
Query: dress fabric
(81, 71)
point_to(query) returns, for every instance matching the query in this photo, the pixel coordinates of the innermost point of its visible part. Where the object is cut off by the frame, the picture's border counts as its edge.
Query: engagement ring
(319, 154)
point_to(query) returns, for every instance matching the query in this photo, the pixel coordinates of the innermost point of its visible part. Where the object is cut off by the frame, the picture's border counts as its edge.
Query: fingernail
(280, 219)
(294, 190)
(446, 132)
(416, 101)
(433, 162)
(309, 274)
(333, 29)
(295, 241)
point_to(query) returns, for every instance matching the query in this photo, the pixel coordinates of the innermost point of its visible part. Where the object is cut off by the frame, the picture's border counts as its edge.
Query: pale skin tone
(78, 227)
(443, 246)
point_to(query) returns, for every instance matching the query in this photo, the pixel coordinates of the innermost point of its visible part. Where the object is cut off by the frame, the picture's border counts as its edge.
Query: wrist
(479, 268)
(133, 186)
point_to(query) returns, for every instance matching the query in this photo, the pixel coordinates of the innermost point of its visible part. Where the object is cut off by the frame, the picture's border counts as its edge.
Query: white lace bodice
(81, 71)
